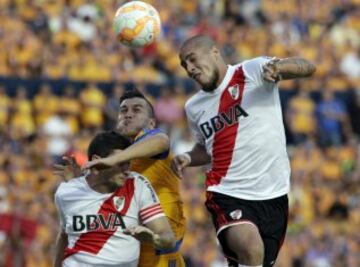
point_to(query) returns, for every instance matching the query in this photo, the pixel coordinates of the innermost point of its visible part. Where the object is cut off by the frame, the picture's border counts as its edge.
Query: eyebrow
(138, 105)
(189, 55)
(182, 61)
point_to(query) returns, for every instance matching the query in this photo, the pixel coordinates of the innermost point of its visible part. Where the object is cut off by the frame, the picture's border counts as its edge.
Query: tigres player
(149, 155)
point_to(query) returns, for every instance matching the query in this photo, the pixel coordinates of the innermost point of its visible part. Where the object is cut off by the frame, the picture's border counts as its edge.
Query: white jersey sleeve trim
(149, 212)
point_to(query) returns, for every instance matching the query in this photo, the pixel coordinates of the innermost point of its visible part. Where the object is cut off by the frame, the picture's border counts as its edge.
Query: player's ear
(215, 51)
(95, 157)
(125, 166)
(152, 123)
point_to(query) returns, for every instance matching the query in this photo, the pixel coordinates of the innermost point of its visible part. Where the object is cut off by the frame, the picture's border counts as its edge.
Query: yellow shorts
(149, 258)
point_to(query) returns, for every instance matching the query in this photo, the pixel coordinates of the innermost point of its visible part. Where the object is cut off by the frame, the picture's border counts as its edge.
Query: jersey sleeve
(253, 70)
(149, 204)
(149, 132)
(57, 200)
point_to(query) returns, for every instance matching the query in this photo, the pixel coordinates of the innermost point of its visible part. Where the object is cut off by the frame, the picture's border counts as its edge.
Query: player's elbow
(312, 68)
(169, 241)
(305, 68)
(163, 142)
(165, 240)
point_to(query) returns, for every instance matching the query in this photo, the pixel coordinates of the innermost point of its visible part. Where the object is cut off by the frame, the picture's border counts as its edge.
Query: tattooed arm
(287, 68)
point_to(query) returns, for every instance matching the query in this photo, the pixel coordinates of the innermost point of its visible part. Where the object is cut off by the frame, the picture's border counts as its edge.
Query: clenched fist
(270, 70)
(180, 162)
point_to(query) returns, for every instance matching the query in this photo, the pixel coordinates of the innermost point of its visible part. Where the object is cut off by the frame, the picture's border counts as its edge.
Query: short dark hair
(200, 40)
(103, 144)
(133, 93)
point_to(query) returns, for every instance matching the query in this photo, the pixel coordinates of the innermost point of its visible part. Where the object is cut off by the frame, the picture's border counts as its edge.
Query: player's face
(201, 66)
(133, 117)
(117, 173)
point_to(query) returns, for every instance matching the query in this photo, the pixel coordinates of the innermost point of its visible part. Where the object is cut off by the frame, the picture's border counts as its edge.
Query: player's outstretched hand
(141, 233)
(179, 163)
(99, 163)
(270, 72)
(69, 170)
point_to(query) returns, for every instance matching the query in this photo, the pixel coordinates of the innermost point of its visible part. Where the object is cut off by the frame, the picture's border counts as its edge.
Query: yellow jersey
(167, 186)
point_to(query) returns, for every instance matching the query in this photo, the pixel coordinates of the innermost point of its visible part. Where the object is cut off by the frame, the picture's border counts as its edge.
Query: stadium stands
(59, 63)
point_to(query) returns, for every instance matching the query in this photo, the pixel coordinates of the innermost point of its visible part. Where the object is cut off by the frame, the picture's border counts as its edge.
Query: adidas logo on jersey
(218, 122)
(96, 222)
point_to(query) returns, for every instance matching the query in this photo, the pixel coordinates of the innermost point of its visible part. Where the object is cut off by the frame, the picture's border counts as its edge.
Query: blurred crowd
(51, 40)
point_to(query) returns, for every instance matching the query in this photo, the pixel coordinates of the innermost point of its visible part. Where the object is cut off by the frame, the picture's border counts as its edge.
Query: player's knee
(247, 245)
(250, 253)
(253, 252)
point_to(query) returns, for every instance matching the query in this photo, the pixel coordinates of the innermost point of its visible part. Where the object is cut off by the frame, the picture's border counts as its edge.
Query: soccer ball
(137, 24)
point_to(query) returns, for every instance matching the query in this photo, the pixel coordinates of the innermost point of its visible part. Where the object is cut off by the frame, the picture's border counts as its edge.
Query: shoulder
(192, 103)
(138, 178)
(253, 70)
(140, 181)
(256, 60)
(192, 99)
(149, 132)
(60, 190)
(69, 186)
(255, 64)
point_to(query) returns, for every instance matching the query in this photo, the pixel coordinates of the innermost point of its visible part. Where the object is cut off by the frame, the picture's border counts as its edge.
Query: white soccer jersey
(94, 222)
(240, 124)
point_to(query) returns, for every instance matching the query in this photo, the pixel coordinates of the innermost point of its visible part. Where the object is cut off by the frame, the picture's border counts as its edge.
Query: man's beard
(212, 85)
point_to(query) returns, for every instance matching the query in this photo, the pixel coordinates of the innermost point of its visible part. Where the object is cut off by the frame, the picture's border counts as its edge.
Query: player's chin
(201, 83)
(200, 80)
(204, 83)
(208, 87)
(128, 131)
(118, 179)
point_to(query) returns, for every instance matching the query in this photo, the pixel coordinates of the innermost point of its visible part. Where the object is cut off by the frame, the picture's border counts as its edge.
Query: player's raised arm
(287, 68)
(198, 156)
(163, 236)
(156, 227)
(68, 170)
(150, 146)
(157, 231)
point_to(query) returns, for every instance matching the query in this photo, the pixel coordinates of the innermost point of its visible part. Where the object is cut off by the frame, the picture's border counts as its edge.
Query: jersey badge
(119, 203)
(234, 91)
(236, 214)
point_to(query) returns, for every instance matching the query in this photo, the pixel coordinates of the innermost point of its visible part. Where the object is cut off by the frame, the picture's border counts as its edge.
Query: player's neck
(222, 72)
